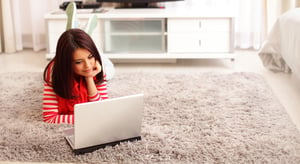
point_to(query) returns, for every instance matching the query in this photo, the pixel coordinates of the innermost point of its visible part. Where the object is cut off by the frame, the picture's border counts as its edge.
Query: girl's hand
(96, 69)
(92, 90)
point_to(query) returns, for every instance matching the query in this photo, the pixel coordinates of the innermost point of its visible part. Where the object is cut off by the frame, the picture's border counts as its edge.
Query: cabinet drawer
(201, 42)
(198, 25)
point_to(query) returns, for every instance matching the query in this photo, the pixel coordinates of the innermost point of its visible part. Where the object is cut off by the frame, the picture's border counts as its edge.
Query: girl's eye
(77, 62)
(91, 56)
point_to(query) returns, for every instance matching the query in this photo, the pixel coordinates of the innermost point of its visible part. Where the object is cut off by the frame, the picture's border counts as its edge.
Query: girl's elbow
(48, 120)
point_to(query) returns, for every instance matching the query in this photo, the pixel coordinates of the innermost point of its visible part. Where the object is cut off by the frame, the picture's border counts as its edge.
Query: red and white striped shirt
(50, 104)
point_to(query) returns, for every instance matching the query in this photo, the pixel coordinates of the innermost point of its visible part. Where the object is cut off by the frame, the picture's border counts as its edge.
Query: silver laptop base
(93, 148)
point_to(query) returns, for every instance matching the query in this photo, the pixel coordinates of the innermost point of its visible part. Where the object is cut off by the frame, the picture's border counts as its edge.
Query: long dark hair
(60, 67)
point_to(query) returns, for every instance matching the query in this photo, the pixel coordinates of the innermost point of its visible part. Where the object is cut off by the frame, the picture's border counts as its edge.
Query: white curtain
(7, 35)
(249, 26)
(23, 23)
(32, 21)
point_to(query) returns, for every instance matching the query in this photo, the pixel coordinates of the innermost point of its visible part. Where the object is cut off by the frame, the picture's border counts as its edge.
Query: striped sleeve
(102, 92)
(50, 108)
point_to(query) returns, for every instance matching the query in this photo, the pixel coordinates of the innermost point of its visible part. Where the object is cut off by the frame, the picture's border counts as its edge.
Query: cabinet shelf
(124, 36)
(155, 34)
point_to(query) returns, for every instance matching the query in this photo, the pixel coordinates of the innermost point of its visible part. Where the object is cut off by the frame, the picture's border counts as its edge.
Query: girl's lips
(87, 71)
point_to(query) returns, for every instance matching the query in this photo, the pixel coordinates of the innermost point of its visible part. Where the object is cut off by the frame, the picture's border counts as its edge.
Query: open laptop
(108, 122)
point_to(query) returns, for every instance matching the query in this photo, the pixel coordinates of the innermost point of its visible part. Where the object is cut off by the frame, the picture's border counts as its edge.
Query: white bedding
(281, 50)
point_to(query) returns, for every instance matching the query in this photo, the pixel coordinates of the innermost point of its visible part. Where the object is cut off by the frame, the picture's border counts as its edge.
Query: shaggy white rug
(188, 118)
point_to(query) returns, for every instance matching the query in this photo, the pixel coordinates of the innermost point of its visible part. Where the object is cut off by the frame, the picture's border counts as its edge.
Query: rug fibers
(188, 118)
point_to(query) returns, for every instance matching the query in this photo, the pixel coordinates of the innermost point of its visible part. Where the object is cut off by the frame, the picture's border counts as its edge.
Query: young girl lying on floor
(75, 75)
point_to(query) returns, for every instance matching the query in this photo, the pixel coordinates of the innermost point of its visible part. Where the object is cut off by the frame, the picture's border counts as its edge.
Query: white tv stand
(154, 33)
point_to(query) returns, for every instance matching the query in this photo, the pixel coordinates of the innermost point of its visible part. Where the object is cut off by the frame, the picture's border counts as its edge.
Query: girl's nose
(87, 64)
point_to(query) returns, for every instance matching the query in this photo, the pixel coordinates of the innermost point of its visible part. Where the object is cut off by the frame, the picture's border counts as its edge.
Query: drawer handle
(200, 24)
(199, 43)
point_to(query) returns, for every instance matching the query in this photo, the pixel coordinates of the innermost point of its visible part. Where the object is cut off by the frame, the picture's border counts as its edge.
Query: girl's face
(83, 62)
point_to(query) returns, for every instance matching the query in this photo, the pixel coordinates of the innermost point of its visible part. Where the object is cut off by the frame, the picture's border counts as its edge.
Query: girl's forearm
(91, 86)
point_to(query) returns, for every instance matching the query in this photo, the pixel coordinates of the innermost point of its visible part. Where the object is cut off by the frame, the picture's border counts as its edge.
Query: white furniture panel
(200, 42)
(198, 25)
(55, 27)
(154, 33)
(199, 35)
